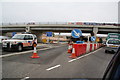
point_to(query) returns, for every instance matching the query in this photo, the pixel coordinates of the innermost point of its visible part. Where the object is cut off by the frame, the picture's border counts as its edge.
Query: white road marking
(84, 55)
(53, 67)
(25, 78)
(25, 52)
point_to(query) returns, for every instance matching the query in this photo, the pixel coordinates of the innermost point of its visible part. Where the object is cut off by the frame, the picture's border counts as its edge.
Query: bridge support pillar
(95, 31)
(28, 29)
(39, 35)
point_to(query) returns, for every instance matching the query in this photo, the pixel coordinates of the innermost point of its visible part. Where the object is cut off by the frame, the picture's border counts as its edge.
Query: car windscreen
(113, 42)
(18, 37)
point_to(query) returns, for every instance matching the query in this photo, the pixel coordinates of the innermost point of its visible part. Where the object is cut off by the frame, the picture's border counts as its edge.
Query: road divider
(84, 55)
(81, 49)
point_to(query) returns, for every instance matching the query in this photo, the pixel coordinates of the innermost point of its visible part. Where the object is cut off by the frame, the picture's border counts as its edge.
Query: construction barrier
(90, 47)
(80, 49)
(95, 47)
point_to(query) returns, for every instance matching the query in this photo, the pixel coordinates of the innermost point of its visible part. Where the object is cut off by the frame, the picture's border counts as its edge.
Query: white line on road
(53, 67)
(25, 78)
(84, 55)
(18, 53)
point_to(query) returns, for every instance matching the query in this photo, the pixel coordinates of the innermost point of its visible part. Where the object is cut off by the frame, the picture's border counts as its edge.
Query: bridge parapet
(53, 24)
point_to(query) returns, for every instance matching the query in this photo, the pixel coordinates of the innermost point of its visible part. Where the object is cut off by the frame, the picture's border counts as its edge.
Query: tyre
(106, 51)
(20, 48)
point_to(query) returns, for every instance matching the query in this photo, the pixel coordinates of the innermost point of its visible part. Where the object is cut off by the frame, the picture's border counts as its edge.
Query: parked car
(112, 45)
(113, 70)
(3, 38)
(20, 41)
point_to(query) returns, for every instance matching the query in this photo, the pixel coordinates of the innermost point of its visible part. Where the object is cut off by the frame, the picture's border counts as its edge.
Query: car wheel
(106, 51)
(20, 48)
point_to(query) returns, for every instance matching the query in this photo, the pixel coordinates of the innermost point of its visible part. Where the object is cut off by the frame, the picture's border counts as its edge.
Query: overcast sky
(60, 11)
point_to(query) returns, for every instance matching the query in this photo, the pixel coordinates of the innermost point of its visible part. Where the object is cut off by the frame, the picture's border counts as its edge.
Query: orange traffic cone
(73, 54)
(69, 48)
(35, 55)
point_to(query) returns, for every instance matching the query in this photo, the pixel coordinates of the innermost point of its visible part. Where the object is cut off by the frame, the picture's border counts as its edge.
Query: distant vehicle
(20, 41)
(3, 38)
(113, 70)
(113, 36)
(112, 45)
(104, 43)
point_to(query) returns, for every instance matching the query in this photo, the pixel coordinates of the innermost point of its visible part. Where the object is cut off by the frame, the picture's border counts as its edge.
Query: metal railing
(51, 23)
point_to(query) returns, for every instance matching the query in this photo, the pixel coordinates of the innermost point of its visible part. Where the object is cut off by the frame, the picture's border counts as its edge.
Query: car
(20, 41)
(3, 38)
(112, 45)
(113, 69)
(104, 43)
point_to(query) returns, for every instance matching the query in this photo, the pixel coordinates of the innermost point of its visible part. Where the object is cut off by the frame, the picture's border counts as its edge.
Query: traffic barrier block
(78, 49)
(94, 46)
(90, 47)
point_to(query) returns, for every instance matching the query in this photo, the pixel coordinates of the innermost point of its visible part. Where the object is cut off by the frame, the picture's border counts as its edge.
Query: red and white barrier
(80, 49)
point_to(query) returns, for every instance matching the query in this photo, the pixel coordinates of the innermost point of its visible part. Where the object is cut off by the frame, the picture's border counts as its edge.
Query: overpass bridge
(59, 27)
(39, 28)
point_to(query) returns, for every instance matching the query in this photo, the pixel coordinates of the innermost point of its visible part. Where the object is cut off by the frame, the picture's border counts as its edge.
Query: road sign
(13, 33)
(93, 38)
(49, 34)
(76, 33)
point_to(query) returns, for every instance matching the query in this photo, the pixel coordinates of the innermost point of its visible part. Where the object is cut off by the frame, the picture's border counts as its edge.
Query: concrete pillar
(28, 29)
(95, 31)
(39, 35)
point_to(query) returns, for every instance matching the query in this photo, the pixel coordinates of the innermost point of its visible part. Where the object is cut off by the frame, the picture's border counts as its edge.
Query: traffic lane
(22, 65)
(92, 66)
(25, 49)
(39, 70)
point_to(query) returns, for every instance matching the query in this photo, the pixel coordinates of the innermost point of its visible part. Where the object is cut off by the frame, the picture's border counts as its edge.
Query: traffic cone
(69, 48)
(35, 55)
(73, 54)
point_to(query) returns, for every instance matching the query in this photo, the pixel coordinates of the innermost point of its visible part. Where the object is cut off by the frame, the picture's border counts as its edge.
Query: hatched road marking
(53, 67)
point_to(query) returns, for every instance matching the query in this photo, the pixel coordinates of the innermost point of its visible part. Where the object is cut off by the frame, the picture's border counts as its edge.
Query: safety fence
(80, 49)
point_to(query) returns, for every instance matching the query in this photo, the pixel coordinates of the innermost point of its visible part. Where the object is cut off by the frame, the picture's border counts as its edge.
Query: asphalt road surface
(55, 63)
(28, 49)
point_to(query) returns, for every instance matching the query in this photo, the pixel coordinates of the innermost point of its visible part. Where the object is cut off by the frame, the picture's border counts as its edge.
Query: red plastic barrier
(94, 46)
(90, 47)
(80, 49)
